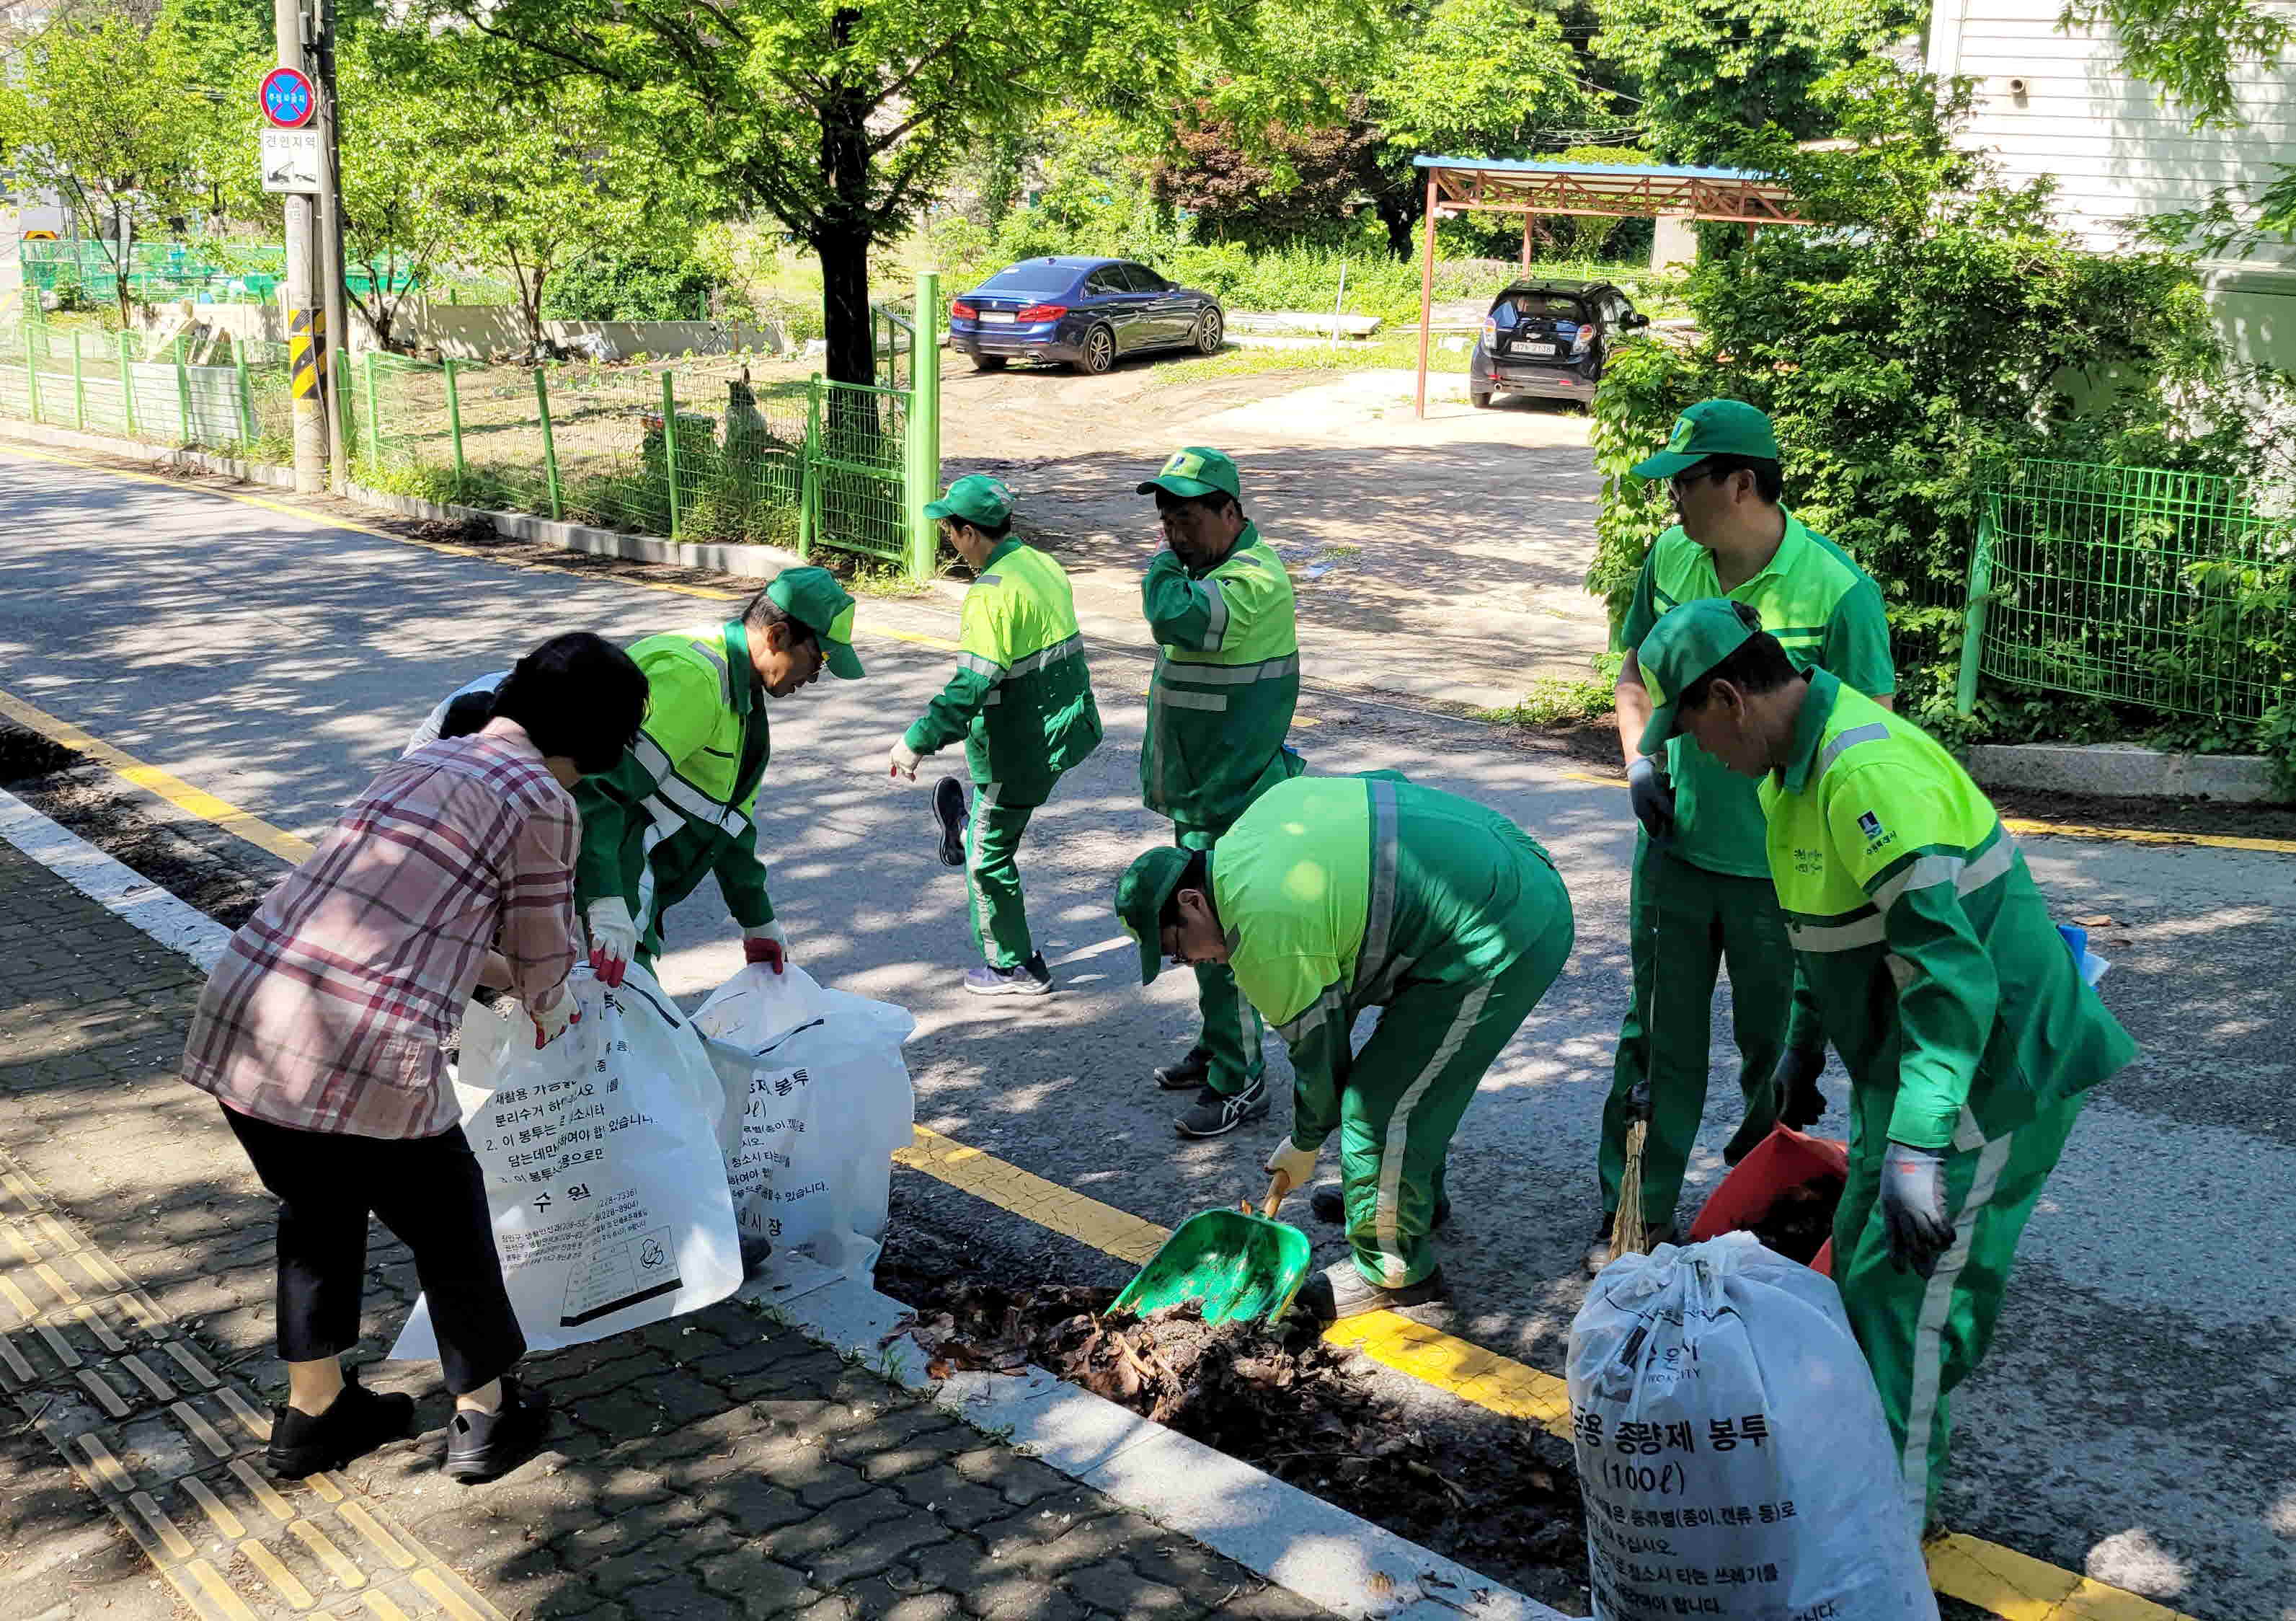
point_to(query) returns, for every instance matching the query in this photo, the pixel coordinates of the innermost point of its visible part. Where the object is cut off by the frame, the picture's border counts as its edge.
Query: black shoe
(1340, 1291)
(1189, 1073)
(1031, 978)
(1216, 1113)
(948, 810)
(483, 1446)
(353, 1425)
(1329, 1205)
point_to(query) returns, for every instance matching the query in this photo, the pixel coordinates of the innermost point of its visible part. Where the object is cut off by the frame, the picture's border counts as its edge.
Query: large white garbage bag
(818, 1101)
(602, 1165)
(1731, 1448)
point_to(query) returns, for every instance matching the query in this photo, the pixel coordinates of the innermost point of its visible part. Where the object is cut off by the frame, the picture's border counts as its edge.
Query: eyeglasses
(1682, 483)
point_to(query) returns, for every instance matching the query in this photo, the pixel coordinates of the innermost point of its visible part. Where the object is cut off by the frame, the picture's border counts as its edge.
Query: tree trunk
(1399, 213)
(842, 235)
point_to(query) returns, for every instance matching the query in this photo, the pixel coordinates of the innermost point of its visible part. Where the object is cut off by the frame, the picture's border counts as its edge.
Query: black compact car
(1083, 311)
(1549, 338)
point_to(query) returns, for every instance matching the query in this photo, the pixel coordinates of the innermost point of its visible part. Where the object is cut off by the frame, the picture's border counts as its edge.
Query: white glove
(552, 1012)
(613, 939)
(905, 760)
(1291, 1165)
(763, 943)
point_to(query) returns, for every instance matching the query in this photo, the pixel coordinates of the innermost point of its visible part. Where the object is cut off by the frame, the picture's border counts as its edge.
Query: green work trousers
(1684, 923)
(1923, 1335)
(1408, 1087)
(1232, 1038)
(992, 878)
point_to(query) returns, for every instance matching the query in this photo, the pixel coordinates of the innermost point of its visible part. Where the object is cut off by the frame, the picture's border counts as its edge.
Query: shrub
(641, 285)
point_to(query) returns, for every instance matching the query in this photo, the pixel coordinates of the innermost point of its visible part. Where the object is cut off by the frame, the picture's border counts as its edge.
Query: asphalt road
(2132, 1420)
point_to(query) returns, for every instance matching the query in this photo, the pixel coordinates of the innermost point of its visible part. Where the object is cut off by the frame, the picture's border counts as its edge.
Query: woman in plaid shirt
(323, 1031)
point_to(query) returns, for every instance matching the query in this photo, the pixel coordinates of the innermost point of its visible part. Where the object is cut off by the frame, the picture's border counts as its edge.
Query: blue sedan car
(1083, 311)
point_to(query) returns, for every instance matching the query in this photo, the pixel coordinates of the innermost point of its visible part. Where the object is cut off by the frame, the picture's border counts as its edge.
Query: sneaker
(1030, 978)
(1328, 1203)
(1341, 1291)
(1217, 1114)
(484, 1445)
(353, 1425)
(1598, 1249)
(1189, 1073)
(948, 810)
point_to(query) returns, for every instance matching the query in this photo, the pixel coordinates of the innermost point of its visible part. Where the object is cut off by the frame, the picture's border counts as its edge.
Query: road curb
(1309, 1547)
(2116, 770)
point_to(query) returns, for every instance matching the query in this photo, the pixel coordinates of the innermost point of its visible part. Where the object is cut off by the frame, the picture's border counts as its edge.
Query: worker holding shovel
(1969, 1032)
(1701, 895)
(1022, 701)
(1333, 894)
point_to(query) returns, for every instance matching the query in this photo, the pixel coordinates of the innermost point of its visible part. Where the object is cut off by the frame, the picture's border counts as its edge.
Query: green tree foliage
(1712, 73)
(113, 116)
(1936, 322)
(649, 282)
(396, 162)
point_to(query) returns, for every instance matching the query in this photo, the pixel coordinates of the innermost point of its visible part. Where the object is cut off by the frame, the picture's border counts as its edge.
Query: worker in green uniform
(1700, 896)
(1021, 699)
(682, 799)
(1333, 894)
(1218, 603)
(1970, 1032)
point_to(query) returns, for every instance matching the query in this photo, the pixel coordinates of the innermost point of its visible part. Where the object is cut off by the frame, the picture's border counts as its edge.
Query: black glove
(1638, 1100)
(1800, 1102)
(1913, 1208)
(1654, 799)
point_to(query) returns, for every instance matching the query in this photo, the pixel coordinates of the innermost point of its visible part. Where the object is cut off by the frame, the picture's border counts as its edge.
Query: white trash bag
(602, 1165)
(818, 1101)
(1731, 1447)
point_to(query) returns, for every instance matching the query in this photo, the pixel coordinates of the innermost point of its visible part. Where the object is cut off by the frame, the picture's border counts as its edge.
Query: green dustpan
(1240, 1267)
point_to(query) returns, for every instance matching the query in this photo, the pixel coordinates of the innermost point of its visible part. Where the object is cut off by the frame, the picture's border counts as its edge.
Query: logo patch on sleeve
(1870, 824)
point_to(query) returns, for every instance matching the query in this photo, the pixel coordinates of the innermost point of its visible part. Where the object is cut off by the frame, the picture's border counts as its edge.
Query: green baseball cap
(1195, 471)
(977, 499)
(1683, 646)
(813, 597)
(1140, 896)
(1712, 427)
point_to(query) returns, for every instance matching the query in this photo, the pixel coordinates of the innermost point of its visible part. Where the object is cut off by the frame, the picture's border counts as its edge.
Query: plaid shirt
(330, 1008)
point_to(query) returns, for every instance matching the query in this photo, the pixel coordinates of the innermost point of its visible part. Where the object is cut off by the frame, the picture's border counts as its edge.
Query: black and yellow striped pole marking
(306, 345)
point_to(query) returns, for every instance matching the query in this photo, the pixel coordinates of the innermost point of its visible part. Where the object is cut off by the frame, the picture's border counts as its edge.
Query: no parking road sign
(286, 97)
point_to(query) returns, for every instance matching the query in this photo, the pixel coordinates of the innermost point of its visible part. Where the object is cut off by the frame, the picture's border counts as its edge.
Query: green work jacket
(1927, 950)
(681, 801)
(1827, 613)
(1021, 697)
(1226, 681)
(1339, 894)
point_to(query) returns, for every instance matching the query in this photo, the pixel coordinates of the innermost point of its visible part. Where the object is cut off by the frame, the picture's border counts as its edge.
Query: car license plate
(997, 317)
(1537, 348)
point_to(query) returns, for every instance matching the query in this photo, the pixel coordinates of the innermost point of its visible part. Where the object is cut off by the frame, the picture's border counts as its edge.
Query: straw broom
(1628, 1237)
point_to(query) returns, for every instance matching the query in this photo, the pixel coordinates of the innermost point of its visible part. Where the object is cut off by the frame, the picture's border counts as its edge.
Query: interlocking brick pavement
(713, 1466)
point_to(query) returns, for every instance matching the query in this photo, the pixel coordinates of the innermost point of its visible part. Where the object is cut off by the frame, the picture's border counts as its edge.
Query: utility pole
(331, 310)
(306, 334)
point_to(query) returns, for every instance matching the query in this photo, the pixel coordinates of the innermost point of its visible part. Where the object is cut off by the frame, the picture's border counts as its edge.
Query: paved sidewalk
(713, 1466)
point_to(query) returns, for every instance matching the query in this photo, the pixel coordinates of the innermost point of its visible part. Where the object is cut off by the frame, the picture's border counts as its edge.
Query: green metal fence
(227, 397)
(2168, 591)
(206, 271)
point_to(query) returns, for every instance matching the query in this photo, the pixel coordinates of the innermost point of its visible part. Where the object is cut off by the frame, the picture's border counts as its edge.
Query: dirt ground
(1438, 559)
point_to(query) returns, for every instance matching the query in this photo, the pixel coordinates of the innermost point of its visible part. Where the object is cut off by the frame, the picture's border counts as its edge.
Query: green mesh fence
(861, 435)
(216, 396)
(2168, 591)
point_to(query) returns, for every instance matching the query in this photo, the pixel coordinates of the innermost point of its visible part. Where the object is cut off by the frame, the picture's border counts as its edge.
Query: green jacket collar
(744, 686)
(1792, 545)
(1010, 543)
(1244, 542)
(1809, 728)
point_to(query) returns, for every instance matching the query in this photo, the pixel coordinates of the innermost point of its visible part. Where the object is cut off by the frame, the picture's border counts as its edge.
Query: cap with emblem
(1684, 645)
(813, 597)
(1712, 427)
(1195, 471)
(1140, 896)
(976, 499)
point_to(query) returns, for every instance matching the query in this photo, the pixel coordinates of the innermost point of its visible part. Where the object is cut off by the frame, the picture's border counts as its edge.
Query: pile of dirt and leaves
(1501, 1497)
(198, 863)
(1801, 1218)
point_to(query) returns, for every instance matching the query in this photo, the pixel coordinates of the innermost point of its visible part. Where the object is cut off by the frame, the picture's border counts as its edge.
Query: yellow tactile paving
(323, 1548)
(213, 1588)
(289, 1585)
(227, 1525)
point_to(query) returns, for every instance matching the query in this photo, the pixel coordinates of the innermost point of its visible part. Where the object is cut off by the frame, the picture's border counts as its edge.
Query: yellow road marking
(275, 1569)
(169, 786)
(2142, 836)
(2018, 1588)
(1104, 1227)
(1608, 781)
